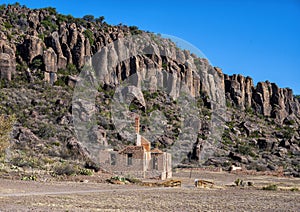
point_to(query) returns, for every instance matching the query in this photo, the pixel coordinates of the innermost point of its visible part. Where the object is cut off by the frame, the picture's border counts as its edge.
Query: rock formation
(266, 98)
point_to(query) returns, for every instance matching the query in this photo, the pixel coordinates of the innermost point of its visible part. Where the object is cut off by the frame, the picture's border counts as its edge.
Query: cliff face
(261, 124)
(266, 98)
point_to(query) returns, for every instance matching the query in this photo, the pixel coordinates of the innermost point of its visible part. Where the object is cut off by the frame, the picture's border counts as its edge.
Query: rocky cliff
(265, 98)
(42, 53)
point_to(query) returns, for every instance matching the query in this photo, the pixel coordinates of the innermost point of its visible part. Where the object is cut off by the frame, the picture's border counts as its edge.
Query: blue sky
(255, 38)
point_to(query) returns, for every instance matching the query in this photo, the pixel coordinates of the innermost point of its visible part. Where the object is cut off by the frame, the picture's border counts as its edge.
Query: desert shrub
(37, 63)
(80, 22)
(84, 171)
(239, 182)
(249, 110)
(133, 180)
(29, 178)
(164, 66)
(228, 103)
(2, 7)
(45, 131)
(7, 25)
(61, 81)
(61, 18)
(51, 10)
(226, 137)
(70, 18)
(294, 189)
(100, 19)
(47, 23)
(288, 132)
(272, 187)
(89, 35)
(89, 18)
(65, 169)
(250, 183)
(32, 162)
(245, 150)
(134, 30)
(70, 70)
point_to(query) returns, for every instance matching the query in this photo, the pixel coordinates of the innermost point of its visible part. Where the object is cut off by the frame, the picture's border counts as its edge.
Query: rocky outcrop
(50, 61)
(31, 48)
(7, 66)
(266, 98)
(54, 42)
(239, 89)
(7, 61)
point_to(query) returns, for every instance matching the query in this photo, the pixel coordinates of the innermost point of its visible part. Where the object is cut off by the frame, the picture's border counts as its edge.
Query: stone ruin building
(137, 160)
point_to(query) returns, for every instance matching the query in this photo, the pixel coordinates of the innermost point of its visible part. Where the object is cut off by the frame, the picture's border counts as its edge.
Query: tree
(51, 10)
(37, 63)
(100, 19)
(89, 18)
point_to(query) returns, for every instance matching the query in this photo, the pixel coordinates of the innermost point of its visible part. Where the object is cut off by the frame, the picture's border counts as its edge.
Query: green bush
(65, 169)
(85, 171)
(37, 63)
(238, 182)
(271, 187)
(100, 19)
(47, 23)
(89, 18)
(2, 7)
(89, 35)
(7, 25)
(29, 178)
(41, 36)
(134, 30)
(51, 10)
(288, 132)
(46, 131)
(294, 189)
(245, 150)
(70, 70)
(61, 18)
(61, 81)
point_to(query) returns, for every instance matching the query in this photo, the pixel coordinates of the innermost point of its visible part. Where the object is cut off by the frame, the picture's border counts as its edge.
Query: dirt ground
(92, 195)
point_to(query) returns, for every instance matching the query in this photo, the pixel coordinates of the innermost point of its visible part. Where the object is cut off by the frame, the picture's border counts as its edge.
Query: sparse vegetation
(29, 178)
(6, 126)
(89, 18)
(89, 35)
(294, 189)
(135, 30)
(100, 19)
(49, 24)
(51, 10)
(245, 150)
(272, 187)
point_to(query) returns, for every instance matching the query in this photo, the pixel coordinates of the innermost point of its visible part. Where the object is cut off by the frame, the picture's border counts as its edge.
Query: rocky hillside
(42, 53)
